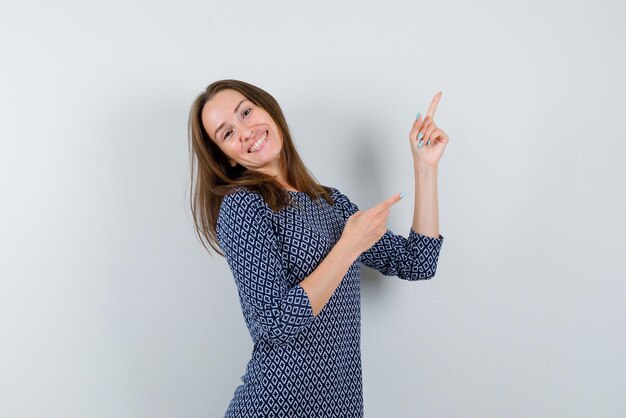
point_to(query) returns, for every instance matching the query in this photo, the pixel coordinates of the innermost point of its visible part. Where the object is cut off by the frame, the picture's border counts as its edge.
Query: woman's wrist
(346, 250)
(424, 169)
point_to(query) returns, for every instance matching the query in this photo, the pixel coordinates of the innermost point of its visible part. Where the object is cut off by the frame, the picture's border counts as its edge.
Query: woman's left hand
(433, 140)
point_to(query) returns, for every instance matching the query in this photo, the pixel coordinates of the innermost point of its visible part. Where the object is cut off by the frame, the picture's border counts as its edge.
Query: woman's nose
(248, 134)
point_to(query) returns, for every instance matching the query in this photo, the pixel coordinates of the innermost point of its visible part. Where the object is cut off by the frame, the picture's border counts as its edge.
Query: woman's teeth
(258, 143)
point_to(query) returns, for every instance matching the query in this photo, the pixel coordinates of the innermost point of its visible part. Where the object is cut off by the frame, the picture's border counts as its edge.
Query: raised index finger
(433, 105)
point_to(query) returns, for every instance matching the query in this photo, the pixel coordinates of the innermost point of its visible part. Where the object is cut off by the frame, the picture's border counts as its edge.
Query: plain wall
(109, 305)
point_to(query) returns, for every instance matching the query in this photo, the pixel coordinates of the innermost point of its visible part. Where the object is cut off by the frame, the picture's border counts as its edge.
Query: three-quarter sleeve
(412, 258)
(247, 239)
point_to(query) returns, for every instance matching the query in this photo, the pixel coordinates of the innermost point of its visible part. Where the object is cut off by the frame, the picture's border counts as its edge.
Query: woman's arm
(428, 143)
(426, 208)
(324, 280)
(412, 258)
(360, 232)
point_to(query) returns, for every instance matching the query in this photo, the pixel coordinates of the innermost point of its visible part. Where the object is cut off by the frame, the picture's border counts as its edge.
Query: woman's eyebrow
(223, 123)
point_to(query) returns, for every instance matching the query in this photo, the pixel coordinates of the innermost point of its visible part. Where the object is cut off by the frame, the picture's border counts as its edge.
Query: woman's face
(245, 132)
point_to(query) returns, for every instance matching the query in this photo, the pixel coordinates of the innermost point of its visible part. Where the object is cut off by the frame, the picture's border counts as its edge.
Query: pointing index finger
(387, 203)
(433, 105)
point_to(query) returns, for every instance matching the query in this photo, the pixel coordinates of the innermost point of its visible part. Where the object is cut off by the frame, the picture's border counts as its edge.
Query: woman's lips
(266, 134)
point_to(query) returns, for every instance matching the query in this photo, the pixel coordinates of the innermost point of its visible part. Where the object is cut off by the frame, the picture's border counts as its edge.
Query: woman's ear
(232, 162)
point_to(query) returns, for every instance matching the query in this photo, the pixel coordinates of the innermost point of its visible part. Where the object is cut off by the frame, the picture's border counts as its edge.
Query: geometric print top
(304, 365)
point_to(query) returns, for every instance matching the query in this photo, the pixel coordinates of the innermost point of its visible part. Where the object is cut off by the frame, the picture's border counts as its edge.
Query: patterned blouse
(304, 365)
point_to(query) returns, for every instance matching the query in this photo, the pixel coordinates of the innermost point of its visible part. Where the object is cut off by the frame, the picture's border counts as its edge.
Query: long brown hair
(212, 177)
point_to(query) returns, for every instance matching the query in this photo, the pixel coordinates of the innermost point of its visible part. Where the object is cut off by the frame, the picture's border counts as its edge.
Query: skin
(365, 227)
(241, 130)
(425, 169)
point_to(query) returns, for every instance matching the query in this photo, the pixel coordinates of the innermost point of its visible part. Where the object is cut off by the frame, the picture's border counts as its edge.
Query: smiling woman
(237, 114)
(295, 249)
(247, 136)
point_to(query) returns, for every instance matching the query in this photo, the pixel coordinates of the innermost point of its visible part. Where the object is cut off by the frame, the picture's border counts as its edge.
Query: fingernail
(428, 142)
(420, 144)
(402, 195)
(420, 136)
(418, 116)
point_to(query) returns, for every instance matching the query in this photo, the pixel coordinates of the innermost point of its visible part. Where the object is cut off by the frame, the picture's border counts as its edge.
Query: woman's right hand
(365, 227)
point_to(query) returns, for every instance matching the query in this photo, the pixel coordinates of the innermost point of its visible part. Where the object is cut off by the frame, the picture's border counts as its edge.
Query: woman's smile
(259, 143)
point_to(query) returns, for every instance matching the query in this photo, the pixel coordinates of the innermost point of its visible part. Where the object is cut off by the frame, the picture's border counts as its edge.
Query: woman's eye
(244, 114)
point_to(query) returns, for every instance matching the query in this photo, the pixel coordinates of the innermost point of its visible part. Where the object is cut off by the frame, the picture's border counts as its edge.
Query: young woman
(295, 249)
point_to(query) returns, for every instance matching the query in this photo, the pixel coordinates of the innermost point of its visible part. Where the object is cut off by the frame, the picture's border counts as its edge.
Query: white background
(109, 305)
